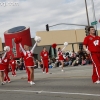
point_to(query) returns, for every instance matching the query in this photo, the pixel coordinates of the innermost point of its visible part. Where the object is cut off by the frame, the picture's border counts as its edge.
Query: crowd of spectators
(70, 59)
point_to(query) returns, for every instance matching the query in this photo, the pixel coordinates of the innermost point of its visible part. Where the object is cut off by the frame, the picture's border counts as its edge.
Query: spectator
(76, 62)
(83, 61)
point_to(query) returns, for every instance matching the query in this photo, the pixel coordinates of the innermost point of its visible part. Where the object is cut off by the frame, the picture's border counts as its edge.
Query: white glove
(7, 48)
(65, 43)
(37, 39)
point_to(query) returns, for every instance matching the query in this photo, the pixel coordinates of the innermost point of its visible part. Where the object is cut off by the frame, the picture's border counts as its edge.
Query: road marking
(50, 92)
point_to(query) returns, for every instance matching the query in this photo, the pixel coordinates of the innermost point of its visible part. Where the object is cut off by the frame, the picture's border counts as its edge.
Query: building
(73, 37)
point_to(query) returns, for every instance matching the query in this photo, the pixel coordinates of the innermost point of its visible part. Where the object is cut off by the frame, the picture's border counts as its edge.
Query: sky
(37, 13)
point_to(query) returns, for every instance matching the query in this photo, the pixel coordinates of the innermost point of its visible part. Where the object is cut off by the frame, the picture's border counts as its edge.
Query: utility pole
(94, 17)
(87, 13)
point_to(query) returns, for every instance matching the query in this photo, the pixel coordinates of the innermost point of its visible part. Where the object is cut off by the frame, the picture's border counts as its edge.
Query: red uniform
(1, 65)
(6, 66)
(27, 70)
(93, 45)
(29, 59)
(45, 56)
(60, 54)
(13, 66)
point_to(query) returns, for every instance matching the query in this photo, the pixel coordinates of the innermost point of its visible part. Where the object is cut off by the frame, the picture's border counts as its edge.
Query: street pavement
(73, 84)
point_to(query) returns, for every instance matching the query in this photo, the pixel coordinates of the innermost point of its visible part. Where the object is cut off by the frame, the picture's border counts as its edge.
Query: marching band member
(91, 45)
(44, 58)
(60, 55)
(12, 64)
(29, 62)
(2, 67)
(6, 71)
(27, 70)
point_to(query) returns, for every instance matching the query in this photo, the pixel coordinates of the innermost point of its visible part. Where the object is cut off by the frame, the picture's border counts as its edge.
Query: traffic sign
(94, 23)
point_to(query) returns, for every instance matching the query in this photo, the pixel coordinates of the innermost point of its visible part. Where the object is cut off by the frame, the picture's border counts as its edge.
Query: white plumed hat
(37, 39)
(65, 43)
(7, 48)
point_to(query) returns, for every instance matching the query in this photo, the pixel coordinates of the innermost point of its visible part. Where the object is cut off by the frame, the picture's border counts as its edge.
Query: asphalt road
(72, 84)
